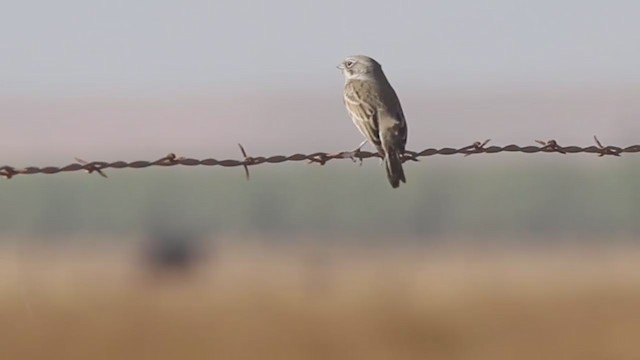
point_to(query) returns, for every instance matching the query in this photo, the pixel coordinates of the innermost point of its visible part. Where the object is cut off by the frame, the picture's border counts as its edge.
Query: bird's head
(359, 66)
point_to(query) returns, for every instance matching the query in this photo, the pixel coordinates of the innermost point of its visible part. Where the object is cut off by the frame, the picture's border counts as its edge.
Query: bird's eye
(349, 63)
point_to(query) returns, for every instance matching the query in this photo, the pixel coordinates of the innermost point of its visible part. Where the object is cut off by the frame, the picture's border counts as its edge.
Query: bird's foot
(353, 155)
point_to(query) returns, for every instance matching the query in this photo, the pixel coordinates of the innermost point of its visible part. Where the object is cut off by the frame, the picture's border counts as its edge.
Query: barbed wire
(478, 147)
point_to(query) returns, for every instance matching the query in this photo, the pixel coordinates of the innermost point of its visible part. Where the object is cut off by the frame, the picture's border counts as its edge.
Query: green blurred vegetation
(460, 198)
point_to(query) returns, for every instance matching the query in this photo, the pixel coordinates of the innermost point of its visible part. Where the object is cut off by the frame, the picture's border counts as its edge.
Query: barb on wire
(478, 147)
(90, 167)
(607, 150)
(247, 161)
(475, 148)
(551, 146)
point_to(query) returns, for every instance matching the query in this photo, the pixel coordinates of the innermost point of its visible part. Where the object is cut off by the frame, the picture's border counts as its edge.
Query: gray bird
(375, 109)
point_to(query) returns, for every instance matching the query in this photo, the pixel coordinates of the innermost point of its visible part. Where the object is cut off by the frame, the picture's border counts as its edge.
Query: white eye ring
(349, 63)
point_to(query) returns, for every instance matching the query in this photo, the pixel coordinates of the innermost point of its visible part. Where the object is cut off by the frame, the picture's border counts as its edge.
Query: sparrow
(375, 109)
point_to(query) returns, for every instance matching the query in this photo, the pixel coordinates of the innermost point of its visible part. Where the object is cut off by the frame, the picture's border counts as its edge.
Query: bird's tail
(393, 165)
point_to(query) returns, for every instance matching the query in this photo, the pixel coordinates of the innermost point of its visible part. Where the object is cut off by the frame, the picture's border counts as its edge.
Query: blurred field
(285, 302)
(543, 196)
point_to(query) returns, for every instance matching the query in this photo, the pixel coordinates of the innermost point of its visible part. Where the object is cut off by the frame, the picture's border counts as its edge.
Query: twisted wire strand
(478, 147)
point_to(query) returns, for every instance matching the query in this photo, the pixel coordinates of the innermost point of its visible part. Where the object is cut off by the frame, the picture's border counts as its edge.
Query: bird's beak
(341, 67)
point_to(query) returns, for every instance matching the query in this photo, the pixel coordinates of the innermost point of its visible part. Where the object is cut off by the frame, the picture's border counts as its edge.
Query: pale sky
(85, 48)
(131, 79)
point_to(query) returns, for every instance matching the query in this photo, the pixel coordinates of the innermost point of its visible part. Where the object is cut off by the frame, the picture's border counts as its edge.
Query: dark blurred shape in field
(170, 251)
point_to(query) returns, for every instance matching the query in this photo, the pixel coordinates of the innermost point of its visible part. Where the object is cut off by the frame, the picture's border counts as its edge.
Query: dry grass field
(264, 302)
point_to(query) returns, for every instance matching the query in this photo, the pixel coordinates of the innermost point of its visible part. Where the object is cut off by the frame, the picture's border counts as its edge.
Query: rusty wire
(478, 147)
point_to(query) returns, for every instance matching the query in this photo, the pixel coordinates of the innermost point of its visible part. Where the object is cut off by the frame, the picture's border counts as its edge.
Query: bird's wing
(392, 121)
(363, 113)
(402, 129)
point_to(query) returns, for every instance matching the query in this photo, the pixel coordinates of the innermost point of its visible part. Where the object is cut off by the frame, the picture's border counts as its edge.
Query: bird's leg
(353, 153)
(361, 145)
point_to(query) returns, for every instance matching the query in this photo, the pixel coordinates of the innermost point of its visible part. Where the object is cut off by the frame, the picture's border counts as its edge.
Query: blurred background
(483, 257)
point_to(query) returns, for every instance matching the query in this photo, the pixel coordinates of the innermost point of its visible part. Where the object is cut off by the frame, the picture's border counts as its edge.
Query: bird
(375, 110)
